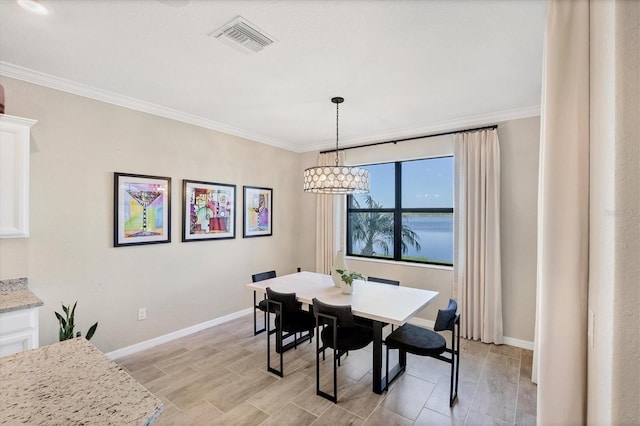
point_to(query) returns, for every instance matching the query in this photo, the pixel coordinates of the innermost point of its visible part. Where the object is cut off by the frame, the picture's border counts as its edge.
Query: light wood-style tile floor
(218, 377)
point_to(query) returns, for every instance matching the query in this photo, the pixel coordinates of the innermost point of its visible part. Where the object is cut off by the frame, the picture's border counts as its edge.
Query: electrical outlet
(142, 314)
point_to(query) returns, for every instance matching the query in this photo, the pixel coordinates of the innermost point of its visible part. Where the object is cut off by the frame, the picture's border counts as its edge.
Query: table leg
(379, 383)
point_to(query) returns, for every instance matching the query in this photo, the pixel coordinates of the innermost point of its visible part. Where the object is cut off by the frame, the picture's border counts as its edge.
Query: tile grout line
(252, 346)
(259, 409)
(165, 372)
(475, 392)
(515, 408)
(304, 409)
(206, 401)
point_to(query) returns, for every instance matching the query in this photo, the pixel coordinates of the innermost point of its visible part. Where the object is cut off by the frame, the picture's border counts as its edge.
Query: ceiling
(405, 68)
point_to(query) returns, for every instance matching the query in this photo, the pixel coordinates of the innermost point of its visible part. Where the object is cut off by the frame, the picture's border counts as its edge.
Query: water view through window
(424, 232)
(435, 232)
(435, 235)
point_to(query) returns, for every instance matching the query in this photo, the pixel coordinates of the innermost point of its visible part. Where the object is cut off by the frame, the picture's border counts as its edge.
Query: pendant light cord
(337, 107)
(340, 180)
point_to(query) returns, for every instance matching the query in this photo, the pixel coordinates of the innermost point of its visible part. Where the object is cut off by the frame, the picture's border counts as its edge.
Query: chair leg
(451, 397)
(318, 359)
(340, 353)
(458, 361)
(278, 333)
(255, 318)
(455, 358)
(335, 375)
(333, 398)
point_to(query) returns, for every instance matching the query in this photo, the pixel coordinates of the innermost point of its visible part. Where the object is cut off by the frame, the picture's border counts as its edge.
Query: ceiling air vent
(243, 34)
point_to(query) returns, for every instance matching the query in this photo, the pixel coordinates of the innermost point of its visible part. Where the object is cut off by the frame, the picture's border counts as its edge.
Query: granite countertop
(71, 383)
(14, 295)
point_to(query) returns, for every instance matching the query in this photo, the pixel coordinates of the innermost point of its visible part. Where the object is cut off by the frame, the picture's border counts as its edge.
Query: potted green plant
(67, 324)
(347, 280)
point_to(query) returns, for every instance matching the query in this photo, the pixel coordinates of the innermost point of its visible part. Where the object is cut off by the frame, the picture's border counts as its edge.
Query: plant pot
(346, 288)
(338, 263)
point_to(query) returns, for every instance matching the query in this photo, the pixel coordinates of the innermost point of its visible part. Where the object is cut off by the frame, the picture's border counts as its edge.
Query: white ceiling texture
(405, 68)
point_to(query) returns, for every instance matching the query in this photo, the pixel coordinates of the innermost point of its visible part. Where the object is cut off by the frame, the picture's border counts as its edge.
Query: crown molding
(437, 127)
(69, 86)
(80, 89)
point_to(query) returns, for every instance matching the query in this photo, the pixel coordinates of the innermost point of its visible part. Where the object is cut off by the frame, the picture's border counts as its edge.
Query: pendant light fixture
(336, 179)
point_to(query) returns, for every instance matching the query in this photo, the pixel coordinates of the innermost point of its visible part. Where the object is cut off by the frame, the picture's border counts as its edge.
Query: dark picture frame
(208, 211)
(142, 209)
(257, 212)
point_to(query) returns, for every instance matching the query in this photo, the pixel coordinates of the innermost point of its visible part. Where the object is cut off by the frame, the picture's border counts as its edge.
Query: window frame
(397, 212)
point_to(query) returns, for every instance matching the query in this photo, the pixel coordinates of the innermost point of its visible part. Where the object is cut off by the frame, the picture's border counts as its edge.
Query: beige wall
(614, 246)
(519, 145)
(519, 149)
(78, 143)
(76, 146)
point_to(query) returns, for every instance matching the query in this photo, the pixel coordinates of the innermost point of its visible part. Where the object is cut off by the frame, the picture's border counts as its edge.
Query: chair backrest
(383, 281)
(288, 300)
(341, 312)
(263, 276)
(447, 318)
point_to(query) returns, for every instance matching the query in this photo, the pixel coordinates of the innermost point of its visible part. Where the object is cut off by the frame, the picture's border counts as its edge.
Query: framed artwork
(142, 209)
(258, 214)
(208, 211)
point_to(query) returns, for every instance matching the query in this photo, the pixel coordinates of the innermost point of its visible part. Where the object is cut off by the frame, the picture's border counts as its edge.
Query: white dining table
(381, 303)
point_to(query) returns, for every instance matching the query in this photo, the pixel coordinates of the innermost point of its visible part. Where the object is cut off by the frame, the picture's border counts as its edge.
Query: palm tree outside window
(407, 215)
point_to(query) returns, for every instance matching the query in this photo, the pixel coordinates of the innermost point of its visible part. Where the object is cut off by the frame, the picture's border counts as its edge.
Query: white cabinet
(14, 176)
(18, 331)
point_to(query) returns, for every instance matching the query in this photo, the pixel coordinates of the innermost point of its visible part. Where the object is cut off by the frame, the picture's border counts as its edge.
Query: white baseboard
(524, 344)
(128, 350)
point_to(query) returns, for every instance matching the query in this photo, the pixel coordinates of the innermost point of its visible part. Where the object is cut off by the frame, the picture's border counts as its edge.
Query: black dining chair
(420, 341)
(383, 281)
(339, 333)
(262, 306)
(290, 320)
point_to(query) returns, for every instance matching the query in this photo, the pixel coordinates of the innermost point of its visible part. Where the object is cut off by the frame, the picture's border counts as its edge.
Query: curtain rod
(475, 129)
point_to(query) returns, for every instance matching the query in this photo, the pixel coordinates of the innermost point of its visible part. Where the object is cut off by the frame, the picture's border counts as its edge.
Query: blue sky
(426, 183)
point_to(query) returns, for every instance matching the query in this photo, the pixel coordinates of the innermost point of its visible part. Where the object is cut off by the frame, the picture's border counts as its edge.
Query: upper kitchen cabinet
(14, 176)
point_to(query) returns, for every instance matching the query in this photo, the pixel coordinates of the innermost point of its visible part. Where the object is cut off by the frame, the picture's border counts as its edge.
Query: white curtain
(476, 273)
(560, 348)
(328, 221)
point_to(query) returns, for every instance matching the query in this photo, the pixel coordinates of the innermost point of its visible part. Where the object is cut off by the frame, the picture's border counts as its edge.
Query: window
(407, 215)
